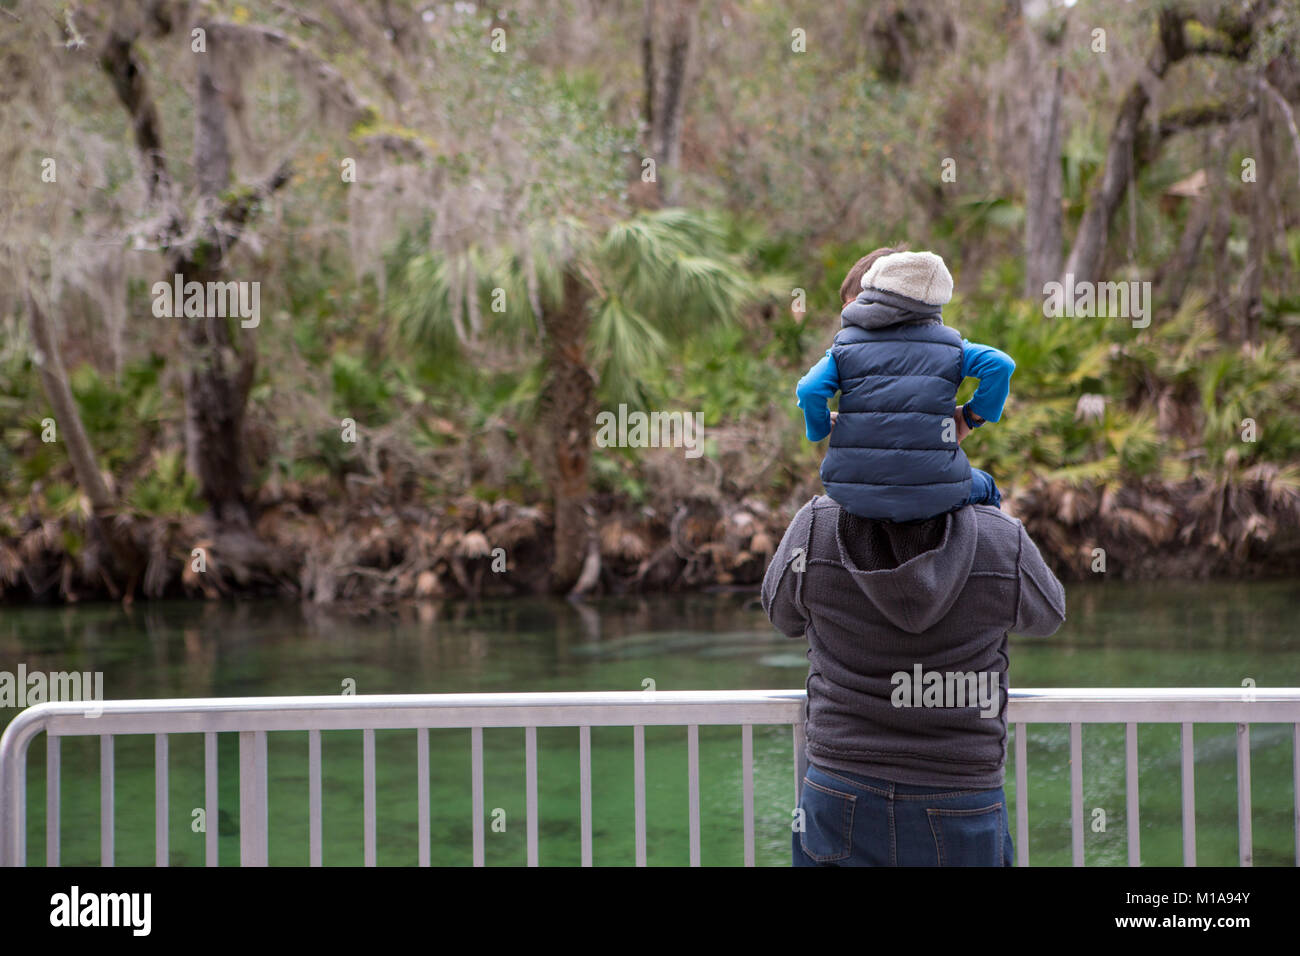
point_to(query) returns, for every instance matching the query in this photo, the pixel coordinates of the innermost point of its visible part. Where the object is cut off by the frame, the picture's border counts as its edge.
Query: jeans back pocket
(968, 837)
(828, 822)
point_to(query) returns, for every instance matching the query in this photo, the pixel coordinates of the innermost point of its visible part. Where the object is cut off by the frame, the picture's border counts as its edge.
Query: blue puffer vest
(899, 369)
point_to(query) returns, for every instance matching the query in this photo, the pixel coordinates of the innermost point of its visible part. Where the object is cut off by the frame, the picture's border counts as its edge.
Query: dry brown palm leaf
(428, 585)
(474, 545)
(32, 545)
(11, 564)
(617, 541)
(514, 530)
(1075, 505)
(1138, 523)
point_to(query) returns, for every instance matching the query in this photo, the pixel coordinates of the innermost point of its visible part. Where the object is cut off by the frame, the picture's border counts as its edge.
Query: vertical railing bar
(1245, 850)
(1295, 771)
(160, 811)
(210, 798)
(422, 788)
(263, 795)
(106, 800)
(247, 800)
(263, 767)
(530, 791)
(1131, 794)
(1189, 795)
(584, 790)
(638, 776)
(476, 772)
(368, 795)
(747, 787)
(53, 773)
(800, 759)
(1022, 796)
(314, 842)
(693, 785)
(1076, 793)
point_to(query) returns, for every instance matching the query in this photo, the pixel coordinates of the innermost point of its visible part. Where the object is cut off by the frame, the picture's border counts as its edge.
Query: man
(907, 625)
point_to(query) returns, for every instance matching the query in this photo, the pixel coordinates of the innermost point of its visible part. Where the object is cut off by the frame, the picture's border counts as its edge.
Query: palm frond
(625, 345)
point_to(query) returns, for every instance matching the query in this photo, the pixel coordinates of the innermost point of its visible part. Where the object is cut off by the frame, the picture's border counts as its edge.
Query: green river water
(1117, 635)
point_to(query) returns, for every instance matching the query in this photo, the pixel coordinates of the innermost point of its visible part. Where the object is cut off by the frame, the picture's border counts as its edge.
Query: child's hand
(834, 417)
(962, 428)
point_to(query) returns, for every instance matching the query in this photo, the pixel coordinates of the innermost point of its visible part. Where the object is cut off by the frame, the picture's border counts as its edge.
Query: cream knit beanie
(916, 275)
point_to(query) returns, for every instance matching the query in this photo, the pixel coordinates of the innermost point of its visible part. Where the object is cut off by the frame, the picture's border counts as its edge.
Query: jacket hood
(875, 309)
(912, 581)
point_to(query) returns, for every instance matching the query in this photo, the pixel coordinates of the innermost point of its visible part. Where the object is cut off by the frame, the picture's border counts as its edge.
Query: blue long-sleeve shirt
(991, 366)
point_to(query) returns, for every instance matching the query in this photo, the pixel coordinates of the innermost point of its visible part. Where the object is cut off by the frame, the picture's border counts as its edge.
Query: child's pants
(982, 489)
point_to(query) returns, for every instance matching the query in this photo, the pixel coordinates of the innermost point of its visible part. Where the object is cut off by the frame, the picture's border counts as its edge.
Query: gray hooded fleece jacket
(907, 637)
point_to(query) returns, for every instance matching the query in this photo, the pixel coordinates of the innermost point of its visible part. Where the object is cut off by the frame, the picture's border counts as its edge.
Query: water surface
(1116, 635)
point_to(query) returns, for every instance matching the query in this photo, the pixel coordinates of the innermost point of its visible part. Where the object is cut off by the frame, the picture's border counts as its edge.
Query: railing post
(161, 803)
(476, 794)
(800, 760)
(1189, 795)
(14, 743)
(1022, 796)
(53, 772)
(584, 791)
(107, 794)
(1131, 794)
(13, 803)
(210, 800)
(252, 798)
(1245, 850)
(1076, 794)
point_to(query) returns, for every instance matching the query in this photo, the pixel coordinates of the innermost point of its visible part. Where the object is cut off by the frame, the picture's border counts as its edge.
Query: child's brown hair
(852, 283)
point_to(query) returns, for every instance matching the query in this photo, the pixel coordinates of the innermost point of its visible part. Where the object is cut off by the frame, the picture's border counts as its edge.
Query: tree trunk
(1220, 233)
(1043, 193)
(108, 537)
(67, 418)
(1261, 233)
(216, 375)
(1131, 146)
(668, 104)
(648, 76)
(1089, 248)
(568, 414)
(1178, 271)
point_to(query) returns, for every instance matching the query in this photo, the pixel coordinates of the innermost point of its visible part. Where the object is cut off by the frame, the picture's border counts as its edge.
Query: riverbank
(321, 551)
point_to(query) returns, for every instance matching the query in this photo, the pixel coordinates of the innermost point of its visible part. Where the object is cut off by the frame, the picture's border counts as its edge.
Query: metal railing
(253, 718)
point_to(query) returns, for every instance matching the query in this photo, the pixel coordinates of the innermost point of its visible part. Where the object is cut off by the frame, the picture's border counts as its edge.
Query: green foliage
(120, 416)
(60, 499)
(166, 488)
(1045, 430)
(1259, 385)
(363, 388)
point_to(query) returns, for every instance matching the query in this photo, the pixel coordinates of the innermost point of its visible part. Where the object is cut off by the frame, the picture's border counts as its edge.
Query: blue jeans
(850, 820)
(982, 489)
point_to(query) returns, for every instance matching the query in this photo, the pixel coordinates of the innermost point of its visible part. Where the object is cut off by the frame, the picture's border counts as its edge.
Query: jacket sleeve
(994, 369)
(814, 390)
(1041, 607)
(782, 592)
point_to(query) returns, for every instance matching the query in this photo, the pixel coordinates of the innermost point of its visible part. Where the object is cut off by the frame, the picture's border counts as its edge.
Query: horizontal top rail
(405, 711)
(610, 708)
